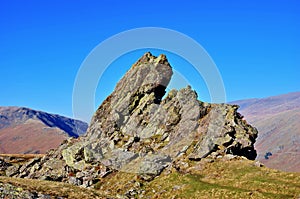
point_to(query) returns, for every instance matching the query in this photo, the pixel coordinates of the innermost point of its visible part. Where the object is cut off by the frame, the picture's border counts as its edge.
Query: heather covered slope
(278, 122)
(23, 130)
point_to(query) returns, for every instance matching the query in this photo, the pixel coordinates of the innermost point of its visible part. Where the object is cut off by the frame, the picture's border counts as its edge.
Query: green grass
(53, 189)
(220, 179)
(234, 179)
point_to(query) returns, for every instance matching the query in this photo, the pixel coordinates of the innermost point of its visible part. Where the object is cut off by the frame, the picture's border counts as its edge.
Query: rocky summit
(142, 130)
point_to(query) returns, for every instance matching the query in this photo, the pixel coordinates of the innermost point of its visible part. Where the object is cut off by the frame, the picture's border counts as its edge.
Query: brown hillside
(24, 130)
(277, 120)
(30, 137)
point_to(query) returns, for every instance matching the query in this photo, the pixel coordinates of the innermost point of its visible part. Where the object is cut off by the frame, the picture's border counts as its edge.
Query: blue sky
(255, 45)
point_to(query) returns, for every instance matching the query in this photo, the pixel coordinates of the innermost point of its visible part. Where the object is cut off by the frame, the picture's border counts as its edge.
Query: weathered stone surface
(8, 191)
(75, 181)
(74, 156)
(4, 165)
(144, 84)
(225, 131)
(154, 164)
(12, 170)
(137, 130)
(29, 164)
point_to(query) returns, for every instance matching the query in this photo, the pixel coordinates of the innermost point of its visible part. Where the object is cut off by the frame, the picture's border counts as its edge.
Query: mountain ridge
(25, 130)
(273, 104)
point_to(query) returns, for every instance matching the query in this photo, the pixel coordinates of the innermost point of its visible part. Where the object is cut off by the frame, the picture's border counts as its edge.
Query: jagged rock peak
(145, 82)
(134, 120)
(149, 58)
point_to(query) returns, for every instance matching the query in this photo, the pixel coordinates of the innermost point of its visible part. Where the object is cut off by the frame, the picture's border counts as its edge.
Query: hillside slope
(277, 119)
(237, 178)
(23, 130)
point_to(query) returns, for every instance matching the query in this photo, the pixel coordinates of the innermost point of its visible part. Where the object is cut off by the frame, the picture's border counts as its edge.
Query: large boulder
(135, 123)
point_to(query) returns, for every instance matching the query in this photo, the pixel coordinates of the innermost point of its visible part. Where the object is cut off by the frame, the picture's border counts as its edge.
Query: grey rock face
(136, 130)
(4, 165)
(134, 123)
(225, 131)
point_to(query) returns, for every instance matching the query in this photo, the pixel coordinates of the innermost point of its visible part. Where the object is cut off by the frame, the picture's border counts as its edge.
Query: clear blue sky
(255, 45)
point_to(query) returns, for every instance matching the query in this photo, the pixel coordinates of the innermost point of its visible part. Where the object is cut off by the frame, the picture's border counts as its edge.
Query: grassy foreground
(220, 179)
(234, 179)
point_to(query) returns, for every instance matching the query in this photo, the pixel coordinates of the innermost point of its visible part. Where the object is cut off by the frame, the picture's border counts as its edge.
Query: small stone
(131, 192)
(112, 144)
(137, 184)
(177, 187)
(258, 164)
(75, 181)
(184, 165)
(80, 174)
(228, 157)
(207, 160)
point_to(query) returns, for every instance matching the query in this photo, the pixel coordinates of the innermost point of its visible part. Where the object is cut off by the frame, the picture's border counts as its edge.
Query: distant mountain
(277, 119)
(23, 130)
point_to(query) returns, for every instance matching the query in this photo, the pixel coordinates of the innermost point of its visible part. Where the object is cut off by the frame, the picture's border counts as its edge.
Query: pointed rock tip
(149, 58)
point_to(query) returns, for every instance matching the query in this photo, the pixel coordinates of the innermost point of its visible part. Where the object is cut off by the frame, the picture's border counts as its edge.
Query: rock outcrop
(138, 130)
